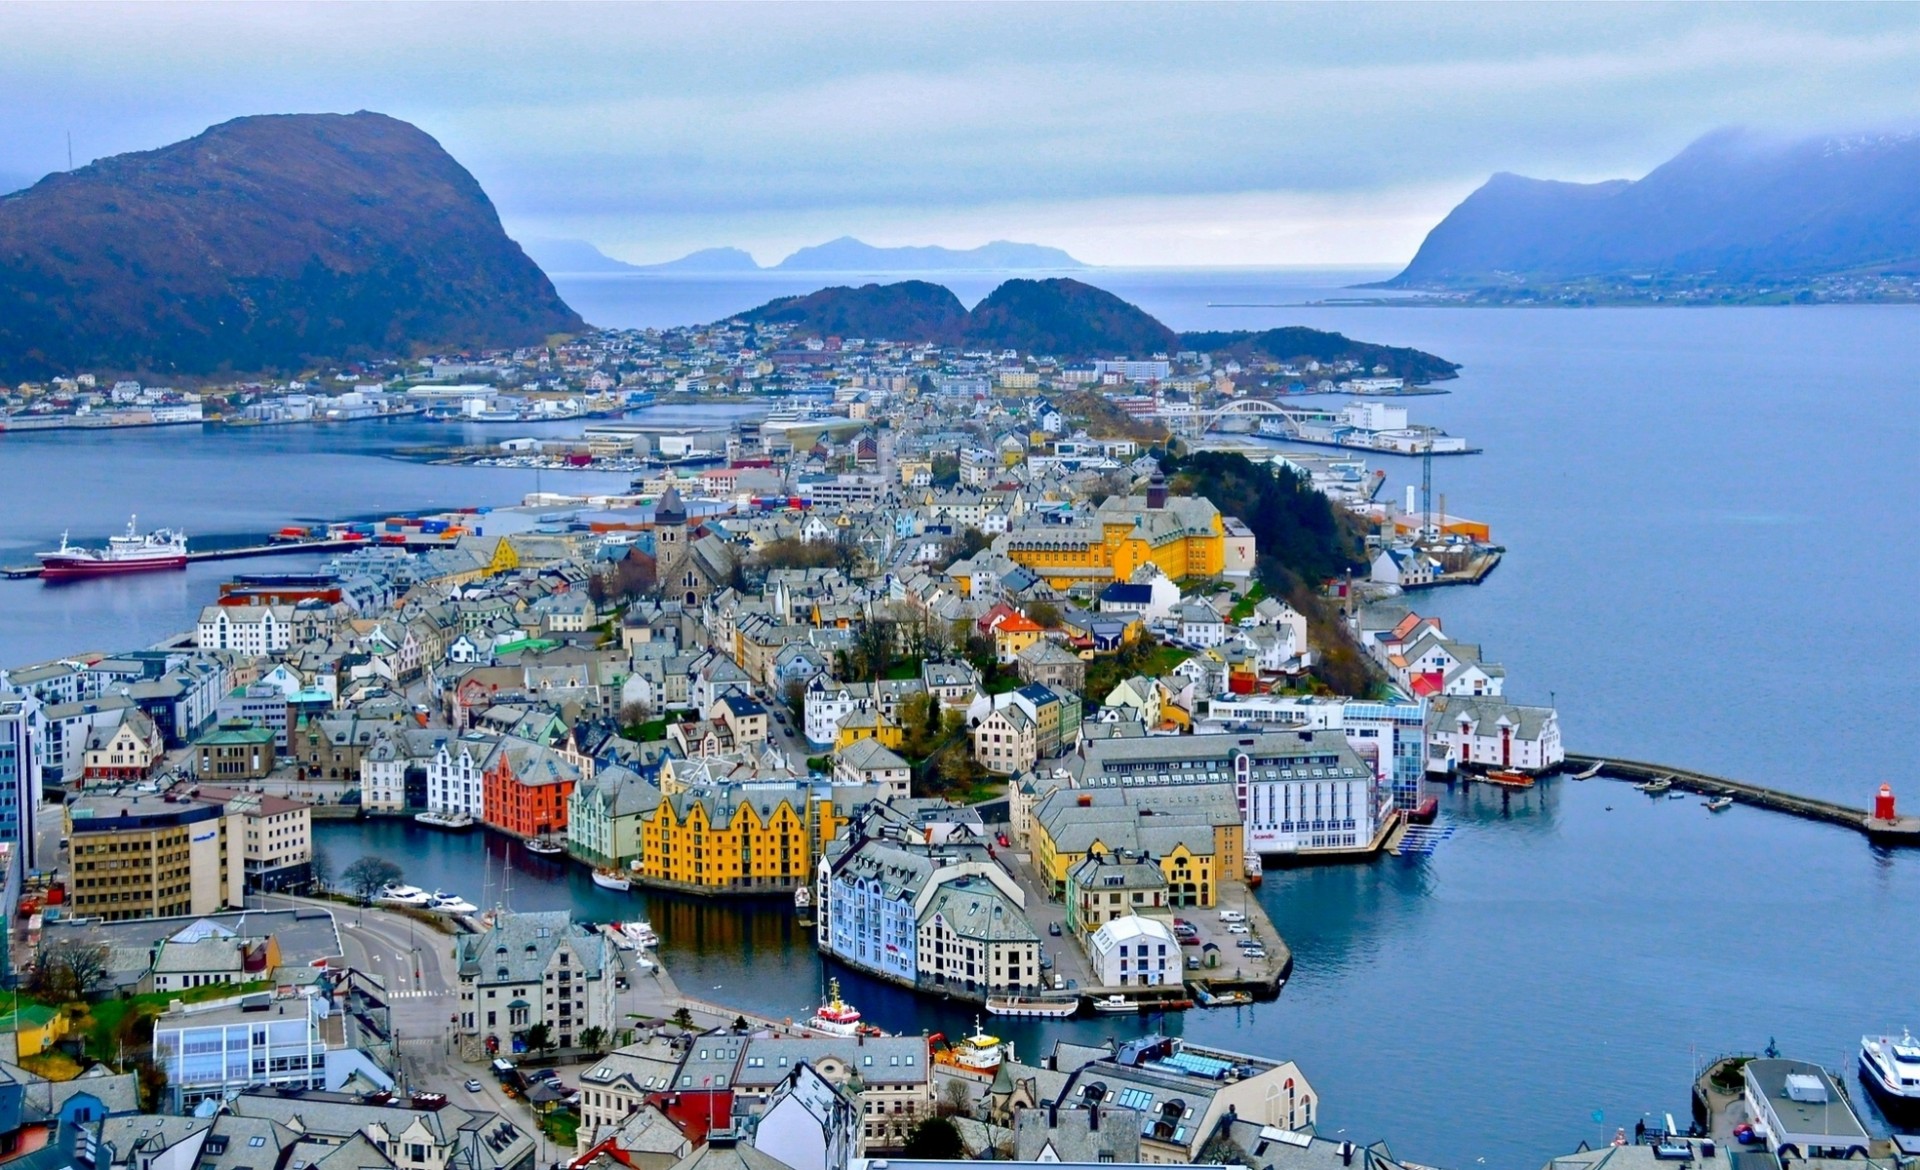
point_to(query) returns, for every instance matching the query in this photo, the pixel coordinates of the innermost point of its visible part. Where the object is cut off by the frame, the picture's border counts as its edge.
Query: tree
(683, 1018)
(591, 1038)
(740, 1023)
(920, 722)
(795, 693)
(635, 713)
(935, 1138)
(539, 1038)
(1044, 614)
(955, 1097)
(320, 869)
(367, 876)
(68, 968)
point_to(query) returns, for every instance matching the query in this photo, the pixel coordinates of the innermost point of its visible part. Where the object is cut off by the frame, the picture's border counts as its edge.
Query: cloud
(1184, 126)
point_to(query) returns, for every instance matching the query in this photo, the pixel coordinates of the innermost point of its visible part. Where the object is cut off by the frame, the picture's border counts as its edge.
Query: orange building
(525, 788)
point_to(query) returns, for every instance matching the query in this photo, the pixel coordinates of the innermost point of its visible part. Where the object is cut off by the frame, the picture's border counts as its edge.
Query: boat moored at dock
(130, 552)
(978, 1053)
(452, 822)
(1891, 1069)
(611, 879)
(1032, 1009)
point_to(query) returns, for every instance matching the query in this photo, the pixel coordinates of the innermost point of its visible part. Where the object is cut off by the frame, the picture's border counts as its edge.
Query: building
(129, 751)
(1006, 740)
(1799, 1110)
(530, 971)
(1474, 732)
(526, 788)
(262, 1042)
(809, 1124)
(1052, 665)
(145, 857)
(869, 762)
(974, 936)
(1112, 884)
(235, 750)
(741, 838)
(605, 816)
(1183, 1091)
(22, 732)
(456, 775)
(1192, 832)
(1183, 537)
(256, 630)
(1135, 951)
(618, 1084)
(420, 1133)
(276, 836)
(893, 1076)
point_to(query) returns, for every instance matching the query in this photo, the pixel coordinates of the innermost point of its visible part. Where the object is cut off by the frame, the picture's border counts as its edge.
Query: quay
(243, 552)
(1894, 830)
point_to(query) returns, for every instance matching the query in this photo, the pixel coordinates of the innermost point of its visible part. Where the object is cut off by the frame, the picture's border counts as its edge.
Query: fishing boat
(545, 846)
(1508, 778)
(1115, 1004)
(1719, 804)
(1655, 787)
(1591, 771)
(640, 934)
(611, 879)
(452, 822)
(1253, 870)
(978, 1053)
(1891, 1069)
(836, 1017)
(131, 552)
(445, 903)
(1031, 1009)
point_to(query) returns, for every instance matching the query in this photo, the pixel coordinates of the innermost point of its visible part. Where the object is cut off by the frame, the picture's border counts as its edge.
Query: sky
(1157, 134)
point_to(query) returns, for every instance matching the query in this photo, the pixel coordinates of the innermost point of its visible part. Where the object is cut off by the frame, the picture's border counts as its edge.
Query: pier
(1898, 830)
(276, 549)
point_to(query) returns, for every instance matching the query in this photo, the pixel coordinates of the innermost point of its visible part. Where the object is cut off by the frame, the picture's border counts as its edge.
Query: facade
(605, 816)
(618, 1084)
(1180, 536)
(213, 1054)
(1050, 664)
(747, 838)
(1109, 885)
(869, 762)
(234, 751)
(257, 630)
(22, 733)
(276, 836)
(1464, 731)
(1192, 832)
(1006, 741)
(533, 969)
(456, 775)
(144, 857)
(974, 936)
(130, 751)
(893, 1075)
(526, 787)
(1133, 951)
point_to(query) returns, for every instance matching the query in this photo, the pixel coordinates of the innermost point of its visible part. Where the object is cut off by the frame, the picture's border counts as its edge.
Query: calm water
(1705, 512)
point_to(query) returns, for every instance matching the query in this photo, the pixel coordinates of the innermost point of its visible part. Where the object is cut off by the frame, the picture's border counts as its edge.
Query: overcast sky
(1137, 134)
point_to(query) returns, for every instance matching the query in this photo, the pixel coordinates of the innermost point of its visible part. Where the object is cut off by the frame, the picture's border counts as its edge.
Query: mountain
(265, 243)
(1297, 343)
(847, 254)
(912, 310)
(708, 260)
(1061, 318)
(1735, 204)
(573, 256)
(1067, 319)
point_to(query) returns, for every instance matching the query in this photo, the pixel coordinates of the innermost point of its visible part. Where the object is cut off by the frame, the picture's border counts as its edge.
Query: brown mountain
(265, 243)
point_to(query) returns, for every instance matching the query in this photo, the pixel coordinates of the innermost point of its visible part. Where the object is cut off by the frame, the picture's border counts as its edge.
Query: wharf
(1897, 831)
(276, 549)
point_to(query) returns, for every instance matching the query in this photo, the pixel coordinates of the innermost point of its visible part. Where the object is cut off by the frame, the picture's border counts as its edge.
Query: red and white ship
(133, 552)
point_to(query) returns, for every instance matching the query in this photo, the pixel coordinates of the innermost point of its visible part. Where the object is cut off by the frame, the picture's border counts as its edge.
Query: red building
(525, 790)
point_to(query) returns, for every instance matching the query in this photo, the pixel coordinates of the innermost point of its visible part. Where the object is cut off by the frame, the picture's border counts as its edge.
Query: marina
(1882, 824)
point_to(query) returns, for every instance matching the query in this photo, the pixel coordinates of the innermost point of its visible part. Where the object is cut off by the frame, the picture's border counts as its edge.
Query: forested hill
(1298, 344)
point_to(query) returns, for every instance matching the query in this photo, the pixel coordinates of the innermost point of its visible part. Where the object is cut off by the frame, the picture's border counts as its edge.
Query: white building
(1490, 732)
(535, 969)
(246, 629)
(454, 775)
(1132, 951)
(214, 1053)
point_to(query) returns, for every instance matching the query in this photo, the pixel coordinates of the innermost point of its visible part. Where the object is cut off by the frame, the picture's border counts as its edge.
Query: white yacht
(446, 903)
(399, 895)
(1891, 1069)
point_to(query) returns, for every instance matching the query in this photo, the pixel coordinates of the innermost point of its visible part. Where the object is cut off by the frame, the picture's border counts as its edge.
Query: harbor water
(1704, 511)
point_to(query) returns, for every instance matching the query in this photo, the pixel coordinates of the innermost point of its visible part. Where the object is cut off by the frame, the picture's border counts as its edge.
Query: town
(957, 663)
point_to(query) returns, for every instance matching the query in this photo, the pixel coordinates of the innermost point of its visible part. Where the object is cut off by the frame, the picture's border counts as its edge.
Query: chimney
(1093, 1119)
(1157, 491)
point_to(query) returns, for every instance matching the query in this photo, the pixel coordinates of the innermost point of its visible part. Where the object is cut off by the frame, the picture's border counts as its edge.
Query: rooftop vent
(1806, 1088)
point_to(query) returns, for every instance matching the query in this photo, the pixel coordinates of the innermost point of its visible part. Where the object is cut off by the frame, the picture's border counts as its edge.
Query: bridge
(1290, 416)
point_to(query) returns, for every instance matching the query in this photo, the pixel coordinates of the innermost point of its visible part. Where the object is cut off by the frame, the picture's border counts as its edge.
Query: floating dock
(1893, 830)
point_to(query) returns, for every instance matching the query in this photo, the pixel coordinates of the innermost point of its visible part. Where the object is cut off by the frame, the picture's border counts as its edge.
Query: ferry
(1031, 1009)
(1508, 778)
(445, 903)
(452, 822)
(545, 846)
(837, 1017)
(131, 552)
(978, 1053)
(1891, 1069)
(611, 879)
(1116, 1004)
(399, 895)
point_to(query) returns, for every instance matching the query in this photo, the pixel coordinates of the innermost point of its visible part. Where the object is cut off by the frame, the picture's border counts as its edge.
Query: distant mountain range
(1735, 205)
(265, 243)
(845, 254)
(1060, 318)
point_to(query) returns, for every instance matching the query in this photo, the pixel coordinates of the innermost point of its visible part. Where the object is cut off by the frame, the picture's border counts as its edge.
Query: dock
(276, 549)
(1899, 830)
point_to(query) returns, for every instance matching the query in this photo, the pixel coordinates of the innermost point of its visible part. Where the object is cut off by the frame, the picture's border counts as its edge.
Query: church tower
(673, 564)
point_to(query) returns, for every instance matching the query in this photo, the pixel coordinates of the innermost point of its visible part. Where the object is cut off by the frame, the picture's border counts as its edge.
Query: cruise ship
(131, 552)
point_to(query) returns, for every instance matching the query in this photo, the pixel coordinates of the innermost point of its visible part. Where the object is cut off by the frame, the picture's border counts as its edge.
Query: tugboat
(836, 1016)
(978, 1053)
(1891, 1069)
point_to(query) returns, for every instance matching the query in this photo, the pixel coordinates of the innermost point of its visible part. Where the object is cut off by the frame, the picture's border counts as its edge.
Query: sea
(1708, 555)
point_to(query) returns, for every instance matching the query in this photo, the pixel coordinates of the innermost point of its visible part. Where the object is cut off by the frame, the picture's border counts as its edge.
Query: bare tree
(68, 967)
(636, 712)
(320, 869)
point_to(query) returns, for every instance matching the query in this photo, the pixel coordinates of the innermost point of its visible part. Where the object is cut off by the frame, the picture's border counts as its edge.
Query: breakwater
(1898, 830)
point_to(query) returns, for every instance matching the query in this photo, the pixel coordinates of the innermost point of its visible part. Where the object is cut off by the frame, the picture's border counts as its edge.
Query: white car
(1232, 916)
(1237, 928)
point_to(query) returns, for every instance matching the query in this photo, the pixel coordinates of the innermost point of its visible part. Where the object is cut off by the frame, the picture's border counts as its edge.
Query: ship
(131, 552)
(978, 1053)
(611, 879)
(836, 1016)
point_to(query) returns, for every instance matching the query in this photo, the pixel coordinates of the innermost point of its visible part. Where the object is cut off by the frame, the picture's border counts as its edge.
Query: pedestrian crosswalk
(415, 993)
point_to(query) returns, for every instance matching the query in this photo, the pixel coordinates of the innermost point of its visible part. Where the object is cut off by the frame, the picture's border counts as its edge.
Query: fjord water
(1710, 560)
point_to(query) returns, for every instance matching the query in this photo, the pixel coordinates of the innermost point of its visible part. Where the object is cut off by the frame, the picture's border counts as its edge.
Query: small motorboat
(611, 879)
(399, 895)
(453, 822)
(445, 903)
(1116, 1004)
(1508, 778)
(1655, 787)
(640, 934)
(1719, 804)
(545, 846)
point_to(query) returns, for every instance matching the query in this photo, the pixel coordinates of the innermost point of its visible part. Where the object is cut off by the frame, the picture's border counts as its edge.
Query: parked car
(1232, 916)
(473, 1085)
(1053, 928)
(1237, 928)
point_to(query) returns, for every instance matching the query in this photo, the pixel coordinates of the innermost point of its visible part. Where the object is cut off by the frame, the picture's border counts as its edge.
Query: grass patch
(53, 1065)
(1243, 608)
(1162, 659)
(562, 1126)
(110, 1020)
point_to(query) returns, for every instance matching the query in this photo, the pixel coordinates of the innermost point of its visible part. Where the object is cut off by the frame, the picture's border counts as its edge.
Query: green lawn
(104, 1019)
(1243, 608)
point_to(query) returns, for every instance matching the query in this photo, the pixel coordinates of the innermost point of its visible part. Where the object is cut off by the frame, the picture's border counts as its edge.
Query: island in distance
(264, 243)
(845, 254)
(1736, 216)
(1064, 318)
